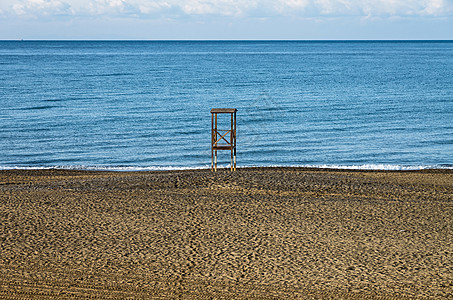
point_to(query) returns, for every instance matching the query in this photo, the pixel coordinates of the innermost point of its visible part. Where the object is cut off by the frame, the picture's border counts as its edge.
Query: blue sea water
(132, 105)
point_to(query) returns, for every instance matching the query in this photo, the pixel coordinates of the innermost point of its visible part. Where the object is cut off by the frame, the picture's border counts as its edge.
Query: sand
(258, 233)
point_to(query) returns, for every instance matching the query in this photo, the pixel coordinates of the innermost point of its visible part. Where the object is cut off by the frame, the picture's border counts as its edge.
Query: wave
(383, 167)
(370, 167)
(42, 107)
(103, 168)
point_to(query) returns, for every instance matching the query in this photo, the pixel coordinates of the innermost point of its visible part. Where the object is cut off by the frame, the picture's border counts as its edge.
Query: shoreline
(262, 232)
(363, 167)
(226, 169)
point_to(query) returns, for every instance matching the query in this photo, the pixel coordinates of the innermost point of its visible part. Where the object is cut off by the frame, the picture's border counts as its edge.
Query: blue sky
(226, 19)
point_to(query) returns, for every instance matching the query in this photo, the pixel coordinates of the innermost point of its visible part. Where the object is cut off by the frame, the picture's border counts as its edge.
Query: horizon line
(231, 40)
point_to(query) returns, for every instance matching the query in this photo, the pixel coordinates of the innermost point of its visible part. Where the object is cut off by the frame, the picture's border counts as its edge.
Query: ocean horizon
(145, 105)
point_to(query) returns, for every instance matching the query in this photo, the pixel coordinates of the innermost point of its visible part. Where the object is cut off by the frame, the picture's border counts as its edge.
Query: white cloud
(150, 7)
(41, 8)
(330, 6)
(434, 7)
(380, 7)
(243, 8)
(414, 7)
(298, 4)
(218, 7)
(111, 7)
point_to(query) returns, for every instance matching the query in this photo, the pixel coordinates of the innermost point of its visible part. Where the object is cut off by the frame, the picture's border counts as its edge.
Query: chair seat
(223, 147)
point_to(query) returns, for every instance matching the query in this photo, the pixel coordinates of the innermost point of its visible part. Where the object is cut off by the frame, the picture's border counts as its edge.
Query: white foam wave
(376, 167)
(103, 168)
(384, 167)
(373, 167)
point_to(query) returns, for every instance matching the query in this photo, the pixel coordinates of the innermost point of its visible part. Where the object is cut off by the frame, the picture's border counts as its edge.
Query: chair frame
(219, 137)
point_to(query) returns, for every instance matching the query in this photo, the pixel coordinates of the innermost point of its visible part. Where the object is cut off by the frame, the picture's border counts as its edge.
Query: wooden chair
(223, 139)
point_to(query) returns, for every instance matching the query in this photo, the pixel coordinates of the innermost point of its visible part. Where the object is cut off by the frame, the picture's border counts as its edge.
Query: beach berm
(257, 233)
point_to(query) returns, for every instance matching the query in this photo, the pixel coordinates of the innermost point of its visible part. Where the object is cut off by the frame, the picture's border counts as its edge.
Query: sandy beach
(258, 233)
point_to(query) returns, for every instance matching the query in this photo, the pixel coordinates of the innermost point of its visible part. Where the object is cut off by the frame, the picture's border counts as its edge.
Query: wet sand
(267, 233)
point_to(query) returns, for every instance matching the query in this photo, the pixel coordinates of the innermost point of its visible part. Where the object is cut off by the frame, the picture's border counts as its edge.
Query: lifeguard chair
(223, 139)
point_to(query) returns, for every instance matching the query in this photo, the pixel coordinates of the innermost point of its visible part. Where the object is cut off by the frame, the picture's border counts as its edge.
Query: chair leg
(212, 159)
(235, 159)
(231, 163)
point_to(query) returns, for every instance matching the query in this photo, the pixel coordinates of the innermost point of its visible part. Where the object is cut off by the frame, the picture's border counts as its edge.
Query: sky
(226, 19)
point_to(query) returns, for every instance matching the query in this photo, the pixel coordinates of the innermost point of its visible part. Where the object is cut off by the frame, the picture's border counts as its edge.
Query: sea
(145, 105)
